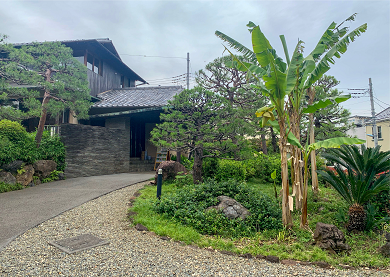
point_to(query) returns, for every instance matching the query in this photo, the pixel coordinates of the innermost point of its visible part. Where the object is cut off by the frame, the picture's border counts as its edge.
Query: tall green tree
(222, 77)
(286, 84)
(42, 78)
(197, 120)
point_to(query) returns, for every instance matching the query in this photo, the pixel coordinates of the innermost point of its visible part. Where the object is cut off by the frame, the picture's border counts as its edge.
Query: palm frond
(246, 52)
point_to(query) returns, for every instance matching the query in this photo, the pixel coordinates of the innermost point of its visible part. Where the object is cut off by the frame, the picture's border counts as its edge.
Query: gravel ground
(130, 252)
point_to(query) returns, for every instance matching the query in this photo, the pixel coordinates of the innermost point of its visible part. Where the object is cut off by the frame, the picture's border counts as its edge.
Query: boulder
(43, 168)
(12, 167)
(385, 249)
(231, 208)
(272, 259)
(329, 237)
(26, 176)
(7, 177)
(169, 170)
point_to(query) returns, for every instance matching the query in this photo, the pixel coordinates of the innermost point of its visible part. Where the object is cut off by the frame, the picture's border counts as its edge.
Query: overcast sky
(173, 28)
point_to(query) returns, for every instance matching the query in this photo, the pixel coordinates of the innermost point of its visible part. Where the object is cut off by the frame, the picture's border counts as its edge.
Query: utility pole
(188, 70)
(374, 129)
(178, 152)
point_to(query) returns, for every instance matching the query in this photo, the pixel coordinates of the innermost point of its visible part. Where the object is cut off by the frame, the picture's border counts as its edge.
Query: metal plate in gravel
(78, 243)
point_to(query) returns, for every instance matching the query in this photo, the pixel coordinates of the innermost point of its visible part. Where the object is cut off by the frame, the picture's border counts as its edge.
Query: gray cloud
(173, 28)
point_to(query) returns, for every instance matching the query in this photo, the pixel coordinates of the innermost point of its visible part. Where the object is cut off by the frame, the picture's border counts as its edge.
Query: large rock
(26, 176)
(12, 166)
(7, 177)
(43, 168)
(385, 249)
(169, 170)
(329, 237)
(231, 208)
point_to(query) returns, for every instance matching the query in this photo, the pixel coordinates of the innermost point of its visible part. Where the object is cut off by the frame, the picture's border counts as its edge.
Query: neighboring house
(359, 126)
(383, 129)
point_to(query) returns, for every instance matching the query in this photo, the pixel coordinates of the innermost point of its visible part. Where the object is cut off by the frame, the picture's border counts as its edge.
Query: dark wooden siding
(108, 81)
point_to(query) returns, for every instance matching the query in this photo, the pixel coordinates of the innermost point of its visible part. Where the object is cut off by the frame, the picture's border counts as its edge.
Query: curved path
(24, 209)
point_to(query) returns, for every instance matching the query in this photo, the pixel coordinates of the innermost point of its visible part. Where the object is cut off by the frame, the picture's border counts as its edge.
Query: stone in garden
(289, 262)
(12, 167)
(43, 168)
(26, 176)
(321, 264)
(385, 249)
(246, 256)
(329, 237)
(272, 259)
(7, 177)
(169, 170)
(61, 176)
(141, 227)
(231, 208)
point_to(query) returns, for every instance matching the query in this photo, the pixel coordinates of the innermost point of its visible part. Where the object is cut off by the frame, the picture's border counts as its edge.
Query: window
(94, 64)
(379, 132)
(122, 81)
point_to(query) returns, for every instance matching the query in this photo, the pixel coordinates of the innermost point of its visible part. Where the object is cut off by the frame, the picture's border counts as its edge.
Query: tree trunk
(197, 168)
(263, 142)
(286, 212)
(303, 223)
(273, 140)
(42, 120)
(314, 178)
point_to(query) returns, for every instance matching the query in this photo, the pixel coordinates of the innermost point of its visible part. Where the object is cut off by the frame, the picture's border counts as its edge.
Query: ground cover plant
(327, 207)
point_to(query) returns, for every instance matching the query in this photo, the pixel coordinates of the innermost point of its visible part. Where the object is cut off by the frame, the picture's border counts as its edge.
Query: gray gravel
(130, 252)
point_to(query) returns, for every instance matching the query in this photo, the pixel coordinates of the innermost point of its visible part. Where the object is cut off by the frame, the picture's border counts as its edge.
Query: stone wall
(93, 151)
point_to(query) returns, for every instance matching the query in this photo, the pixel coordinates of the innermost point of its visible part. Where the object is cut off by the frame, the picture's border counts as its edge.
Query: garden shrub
(229, 169)
(17, 144)
(261, 166)
(189, 205)
(210, 167)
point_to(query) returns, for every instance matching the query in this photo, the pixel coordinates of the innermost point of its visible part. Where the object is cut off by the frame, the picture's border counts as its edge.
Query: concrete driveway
(24, 209)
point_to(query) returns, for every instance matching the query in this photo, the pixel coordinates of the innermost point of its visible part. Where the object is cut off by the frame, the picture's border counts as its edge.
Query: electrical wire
(381, 101)
(145, 56)
(379, 105)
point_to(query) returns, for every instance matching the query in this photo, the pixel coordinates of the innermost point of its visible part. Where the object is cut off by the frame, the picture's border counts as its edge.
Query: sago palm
(356, 178)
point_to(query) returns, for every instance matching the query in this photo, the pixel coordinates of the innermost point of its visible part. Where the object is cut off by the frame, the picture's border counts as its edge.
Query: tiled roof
(385, 114)
(137, 97)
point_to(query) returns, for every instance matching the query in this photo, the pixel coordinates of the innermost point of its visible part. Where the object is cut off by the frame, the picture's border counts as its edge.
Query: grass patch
(9, 187)
(286, 244)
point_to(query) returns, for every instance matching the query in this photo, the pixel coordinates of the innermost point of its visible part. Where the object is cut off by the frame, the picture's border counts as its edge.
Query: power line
(381, 101)
(379, 105)
(145, 56)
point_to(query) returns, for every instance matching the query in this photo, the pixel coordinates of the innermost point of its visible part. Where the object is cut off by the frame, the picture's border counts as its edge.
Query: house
(121, 117)
(383, 130)
(359, 126)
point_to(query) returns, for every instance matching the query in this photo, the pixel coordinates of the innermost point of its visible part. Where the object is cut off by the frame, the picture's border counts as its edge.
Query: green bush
(9, 187)
(262, 166)
(229, 169)
(52, 148)
(210, 167)
(17, 144)
(189, 205)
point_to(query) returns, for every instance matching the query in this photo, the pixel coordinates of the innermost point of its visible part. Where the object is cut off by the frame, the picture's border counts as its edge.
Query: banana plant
(286, 83)
(328, 143)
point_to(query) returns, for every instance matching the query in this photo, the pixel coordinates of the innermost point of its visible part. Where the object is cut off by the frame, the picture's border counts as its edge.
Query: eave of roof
(100, 45)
